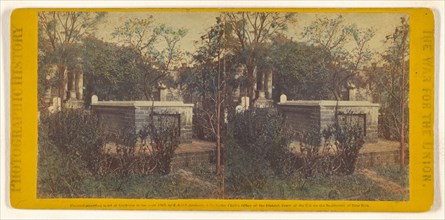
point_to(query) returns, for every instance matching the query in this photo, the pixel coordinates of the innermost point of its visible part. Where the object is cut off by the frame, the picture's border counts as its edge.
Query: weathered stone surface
(245, 102)
(117, 115)
(318, 115)
(262, 102)
(283, 98)
(94, 99)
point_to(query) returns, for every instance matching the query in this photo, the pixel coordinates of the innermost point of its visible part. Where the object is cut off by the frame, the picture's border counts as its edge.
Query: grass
(351, 187)
(142, 187)
(393, 173)
(52, 170)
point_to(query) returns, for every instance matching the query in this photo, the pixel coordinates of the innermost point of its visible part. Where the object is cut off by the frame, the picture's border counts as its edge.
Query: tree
(212, 79)
(59, 36)
(112, 72)
(298, 71)
(212, 58)
(392, 86)
(334, 36)
(247, 32)
(158, 45)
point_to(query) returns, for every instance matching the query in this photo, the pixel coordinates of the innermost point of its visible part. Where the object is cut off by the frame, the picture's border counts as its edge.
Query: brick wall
(183, 114)
(117, 115)
(301, 118)
(318, 115)
(114, 119)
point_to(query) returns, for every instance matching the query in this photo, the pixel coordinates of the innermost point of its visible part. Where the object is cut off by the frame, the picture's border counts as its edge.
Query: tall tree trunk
(250, 66)
(267, 87)
(402, 115)
(218, 120)
(63, 80)
(260, 80)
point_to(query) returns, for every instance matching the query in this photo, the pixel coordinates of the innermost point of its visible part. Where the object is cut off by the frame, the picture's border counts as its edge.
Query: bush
(342, 142)
(247, 172)
(127, 160)
(347, 138)
(76, 133)
(257, 146)
(164, 137)
(149, 151)
(70, 142)
(59, 175)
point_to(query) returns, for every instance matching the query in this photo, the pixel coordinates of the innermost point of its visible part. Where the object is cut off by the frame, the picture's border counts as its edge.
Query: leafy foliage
(60, 34)
(346, 138)
(112, 72)
(257, 147)
(157, 45)
(390, 84)
(300, 71)
(72, 148)
(76, 133)
(164, 138)
(332, 35)
(334, 152)
(70, 145)
(247, 35)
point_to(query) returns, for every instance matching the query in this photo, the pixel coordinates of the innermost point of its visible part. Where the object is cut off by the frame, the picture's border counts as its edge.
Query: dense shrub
(257, 146)
(59, 175)
(127, 159)
(335, 151)
(76, 133)
(70, 142)
(200, 125)
(148, 151)
(347, 139)
(247, 172)
(72, 152)
(164, 136)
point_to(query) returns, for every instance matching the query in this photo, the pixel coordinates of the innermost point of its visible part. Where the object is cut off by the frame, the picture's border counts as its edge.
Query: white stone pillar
(268, 84)
(72, 85)
(94, 99)
(245, 102)
(283, 98)
(65, 84)
(79, 84)
(162, 92)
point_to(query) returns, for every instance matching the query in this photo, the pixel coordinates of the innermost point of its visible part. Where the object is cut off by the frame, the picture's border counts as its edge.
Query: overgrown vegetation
(77, 134)
(335, 151)
(164, 139)
(264, 168)
(257, 147)
(393, 173)
(72, 148)
(70, 144)
(233, 58)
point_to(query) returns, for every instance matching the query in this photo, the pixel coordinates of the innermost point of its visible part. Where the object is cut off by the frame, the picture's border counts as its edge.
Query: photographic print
(251, 105)
(222, 109)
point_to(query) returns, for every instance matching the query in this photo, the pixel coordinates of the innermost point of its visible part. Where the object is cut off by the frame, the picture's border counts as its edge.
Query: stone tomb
(319, 114)
(117, 115)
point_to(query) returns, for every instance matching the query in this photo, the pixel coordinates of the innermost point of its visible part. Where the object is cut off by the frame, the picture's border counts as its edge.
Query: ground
(193, 176)
(198, 180)
(201, 182)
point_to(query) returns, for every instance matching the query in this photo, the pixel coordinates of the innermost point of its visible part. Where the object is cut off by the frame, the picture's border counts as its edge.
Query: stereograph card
(222, 109)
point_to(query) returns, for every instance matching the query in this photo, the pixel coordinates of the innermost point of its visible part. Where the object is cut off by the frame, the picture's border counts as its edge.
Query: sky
(197, 23)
